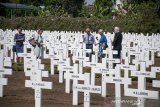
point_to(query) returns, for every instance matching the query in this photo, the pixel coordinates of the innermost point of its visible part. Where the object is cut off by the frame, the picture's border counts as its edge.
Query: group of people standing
(88, 39)
(19, 38)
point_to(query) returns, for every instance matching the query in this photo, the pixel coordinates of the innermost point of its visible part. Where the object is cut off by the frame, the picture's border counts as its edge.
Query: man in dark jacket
(117, 42)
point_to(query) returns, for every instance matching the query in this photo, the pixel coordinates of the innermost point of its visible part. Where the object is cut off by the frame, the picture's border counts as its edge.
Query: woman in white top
(39, 44)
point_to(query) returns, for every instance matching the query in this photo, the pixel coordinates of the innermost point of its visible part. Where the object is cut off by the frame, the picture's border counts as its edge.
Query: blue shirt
(88, 39)
(19, 44)
(19, 36)
(102, 40)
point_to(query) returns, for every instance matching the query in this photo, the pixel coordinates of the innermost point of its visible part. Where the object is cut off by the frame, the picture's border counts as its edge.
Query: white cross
(69, 70)
(132, 51)
(117, 80)
(153, 50)
(4, 62)
(81, 58)
(96, 50)
(126, 67)
(141, 92)
(155, 83)
(110, 60)
(87, 89)
(36, 82)
(31, 68)
(100, 70)
(60, 64)
(96, 68)
(28, 58)
(93, 63)
(51, 56)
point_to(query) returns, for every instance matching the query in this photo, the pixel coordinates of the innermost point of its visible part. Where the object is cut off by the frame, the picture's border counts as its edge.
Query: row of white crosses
(141, 92)
(35, 70)
(116, 79)
(7, 42)
(72, 74)
(76, 74)
(76, 36)
(70, 71)
(111, 75)
(89, 85)
(62, 44)
(4, 62)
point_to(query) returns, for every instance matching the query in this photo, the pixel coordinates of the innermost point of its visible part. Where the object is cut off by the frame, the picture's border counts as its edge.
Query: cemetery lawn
(17, 95)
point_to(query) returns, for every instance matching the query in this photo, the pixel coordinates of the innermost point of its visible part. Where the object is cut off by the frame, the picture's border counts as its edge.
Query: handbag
(14, 48)
(105, 46)
(32, 42)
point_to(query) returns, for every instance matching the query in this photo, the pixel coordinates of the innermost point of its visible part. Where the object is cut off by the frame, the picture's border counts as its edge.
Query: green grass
(17, 67)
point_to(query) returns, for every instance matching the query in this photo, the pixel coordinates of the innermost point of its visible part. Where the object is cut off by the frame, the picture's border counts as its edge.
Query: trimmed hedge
(126, 23)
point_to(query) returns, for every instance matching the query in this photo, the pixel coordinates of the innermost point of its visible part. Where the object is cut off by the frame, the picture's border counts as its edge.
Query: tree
(55, 7)
(73, 7)
(102, 7)
(4, 1)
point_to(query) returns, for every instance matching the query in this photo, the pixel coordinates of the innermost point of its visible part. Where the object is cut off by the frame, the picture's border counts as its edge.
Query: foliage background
(70, 15)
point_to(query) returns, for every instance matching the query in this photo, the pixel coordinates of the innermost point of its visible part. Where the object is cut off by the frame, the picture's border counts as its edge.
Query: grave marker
(4, 62)
(141, 92)
(60, 64)
(70, 73)
(155, 83)
(117, 80)
(87, 89)
(37, 84)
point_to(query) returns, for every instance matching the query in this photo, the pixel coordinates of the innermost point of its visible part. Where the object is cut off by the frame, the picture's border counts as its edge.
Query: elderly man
(89, 40)
(117, 42)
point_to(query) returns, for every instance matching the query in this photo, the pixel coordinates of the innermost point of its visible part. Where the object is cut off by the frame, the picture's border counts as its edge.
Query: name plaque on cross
(118, 80)
(156, 83)
(74, 76)
(142, 93)
(3, 81)
(67, 68)
(92, 89)
(60, 62)
(40, 84)
(102, 70)
(143, 74)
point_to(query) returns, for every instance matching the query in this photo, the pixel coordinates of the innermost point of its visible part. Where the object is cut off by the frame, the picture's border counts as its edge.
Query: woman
(19, 38)
(39, 44)
(102, 45)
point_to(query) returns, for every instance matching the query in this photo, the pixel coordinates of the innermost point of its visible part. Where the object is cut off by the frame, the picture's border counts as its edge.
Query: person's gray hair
(100, 31)
(88, 29)
(116, 29)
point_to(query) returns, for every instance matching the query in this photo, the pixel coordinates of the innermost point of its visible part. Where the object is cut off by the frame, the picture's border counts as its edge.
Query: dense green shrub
(135, 23)
(141, 17)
